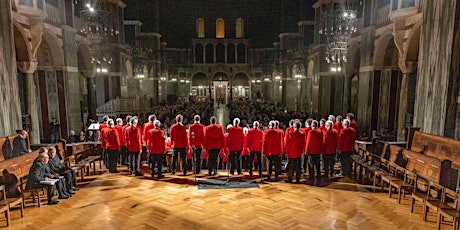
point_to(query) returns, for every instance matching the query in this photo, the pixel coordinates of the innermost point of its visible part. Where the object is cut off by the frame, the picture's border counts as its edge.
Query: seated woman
(38, 172)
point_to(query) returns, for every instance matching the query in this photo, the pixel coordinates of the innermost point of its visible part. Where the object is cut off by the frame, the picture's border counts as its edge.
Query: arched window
(239, 28)
(220, 28)
(241, 53)
(199, 53)
(200, 27)
(209, 53)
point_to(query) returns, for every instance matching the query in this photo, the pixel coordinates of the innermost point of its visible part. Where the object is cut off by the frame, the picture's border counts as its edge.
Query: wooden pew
(81, 155)
(439, 147)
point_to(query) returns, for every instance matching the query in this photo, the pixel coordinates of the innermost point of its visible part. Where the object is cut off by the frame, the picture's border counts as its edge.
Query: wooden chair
(403, 186)
(16, 201)
(4, 205)
(435, 199)
(451, 209)
(420, 195)
(34, 192)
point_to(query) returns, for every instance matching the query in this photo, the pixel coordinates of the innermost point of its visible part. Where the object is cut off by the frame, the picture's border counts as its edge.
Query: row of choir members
(233, 143)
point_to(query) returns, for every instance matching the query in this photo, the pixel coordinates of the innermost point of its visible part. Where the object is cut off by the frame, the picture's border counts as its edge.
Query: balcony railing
(53, 14)
(123, 106)
(383, 15)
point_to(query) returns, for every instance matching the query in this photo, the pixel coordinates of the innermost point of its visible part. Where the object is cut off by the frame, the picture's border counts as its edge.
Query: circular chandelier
(338, 26)
(99, 19)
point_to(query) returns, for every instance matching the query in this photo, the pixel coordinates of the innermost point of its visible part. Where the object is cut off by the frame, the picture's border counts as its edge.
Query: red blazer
(205, 155)
(305, 131)
(286, 136)
(314, 144)
(214, 137)
(282, 139)
(272, 142)
(245, 151)
(235, 139)
(156, 140)
(338, 126)
(255, 138)
(330, 138)
(102, 126)
(145, 132)
(347, 139)
(121, 135)
(353, 125)
(111, 139)
(179, 136)
(296, 143)
(197, 138)
(102, 138)
(322, 128)
(133, 139)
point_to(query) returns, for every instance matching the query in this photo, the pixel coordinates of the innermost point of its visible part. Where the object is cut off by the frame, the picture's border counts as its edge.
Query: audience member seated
(38, 172)
(56, 166)
(90, 136)
(73, 138)
(20, 144)
(82, 136)
(168, 113)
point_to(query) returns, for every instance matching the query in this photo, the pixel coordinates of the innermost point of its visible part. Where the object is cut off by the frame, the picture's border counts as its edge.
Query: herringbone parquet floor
(119, 201)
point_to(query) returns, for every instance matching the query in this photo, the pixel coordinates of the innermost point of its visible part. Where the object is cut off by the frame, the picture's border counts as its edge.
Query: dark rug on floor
(224, 184)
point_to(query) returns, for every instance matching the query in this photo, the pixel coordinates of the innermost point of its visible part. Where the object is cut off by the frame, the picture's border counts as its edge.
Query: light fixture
(253, 81)
(174, 79)
(187, 81)
(100, 20)
(266, 79)
(298, 76)
(338, 24)
(259, 81)
(140, 76)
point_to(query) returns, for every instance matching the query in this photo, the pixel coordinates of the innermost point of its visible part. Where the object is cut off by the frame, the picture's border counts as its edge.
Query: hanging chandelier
(338, 26)
(99, 19)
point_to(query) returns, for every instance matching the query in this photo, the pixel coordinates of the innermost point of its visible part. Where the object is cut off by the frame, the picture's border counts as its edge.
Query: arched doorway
(385, 98)
(200, 86)
(87, 84)
(220, 87)
(240, 87)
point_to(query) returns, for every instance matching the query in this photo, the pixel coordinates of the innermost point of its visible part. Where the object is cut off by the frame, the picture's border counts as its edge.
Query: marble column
(28, 68)
(346, 94)
(434, 65)
(91, 87)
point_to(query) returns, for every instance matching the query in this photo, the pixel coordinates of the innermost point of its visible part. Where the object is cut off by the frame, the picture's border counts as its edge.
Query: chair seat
(435, 203)
(420, 196)
(450, 212)
(400, 183)
(4, 207)
(14, 201)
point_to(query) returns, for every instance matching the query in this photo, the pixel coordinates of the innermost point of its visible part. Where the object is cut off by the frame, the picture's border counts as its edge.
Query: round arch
(84, 58)
(413, 44)
(385, 50)
(199, 79)
(220, 76)
(240, 79)
(51, 42)
(23, 53)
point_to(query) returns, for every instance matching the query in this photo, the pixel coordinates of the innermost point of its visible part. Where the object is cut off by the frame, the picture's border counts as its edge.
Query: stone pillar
(10, 120)
(407, 70)
(434, 65)
(28, 68)
(91, 87)
(346, 94)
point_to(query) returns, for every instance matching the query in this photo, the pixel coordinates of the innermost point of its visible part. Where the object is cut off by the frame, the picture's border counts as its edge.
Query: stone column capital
(27, 66)
(407, 67)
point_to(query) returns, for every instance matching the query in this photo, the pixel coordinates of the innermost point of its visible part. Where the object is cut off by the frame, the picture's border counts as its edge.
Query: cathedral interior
(394, 64)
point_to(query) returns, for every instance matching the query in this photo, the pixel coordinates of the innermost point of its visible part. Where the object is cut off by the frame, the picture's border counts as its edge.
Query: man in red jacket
(196, 142)
(255, 138)
(330, 138)
(124, 150)
(102, 126)
(179, 142)
(313, 149)
(305, 131)
(112, 145)
(147, 127)
(235, 141)
(121, 137)
(346, 146)
(133, 139)
(156, 139)
(351, 118)
(213, 142)
(294, 150)
(338, 123)
(272, 149)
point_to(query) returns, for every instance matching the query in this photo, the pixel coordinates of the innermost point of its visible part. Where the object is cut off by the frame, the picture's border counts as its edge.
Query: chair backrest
(450, 197)
(435, 190)
(3, 190)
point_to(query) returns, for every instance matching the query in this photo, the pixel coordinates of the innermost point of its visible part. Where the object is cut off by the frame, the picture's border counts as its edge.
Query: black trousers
(158, 160)
(212, 160)
(134, 162)
(329, 162)
(50, 191)
(69, 180)
(112, 156)
(345, 162)
(235, 161)
(274, 161)
(123, 158)
(294, 165)
(314, 164)
(197, 159)
(183, 156)
(251, 162)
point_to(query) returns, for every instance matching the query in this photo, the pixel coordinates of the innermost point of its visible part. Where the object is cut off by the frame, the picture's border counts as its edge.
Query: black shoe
(75, 189)
(139, 174)
(173, 172)
(161, 176)
(63, 197)
(51, 202)
(71, 192)
(288, 181)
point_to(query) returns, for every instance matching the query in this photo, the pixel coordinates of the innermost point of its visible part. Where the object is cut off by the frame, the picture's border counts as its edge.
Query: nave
(119, 201)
